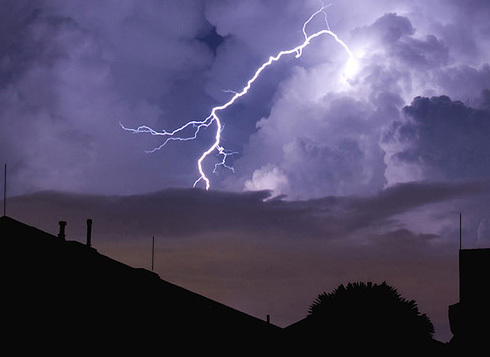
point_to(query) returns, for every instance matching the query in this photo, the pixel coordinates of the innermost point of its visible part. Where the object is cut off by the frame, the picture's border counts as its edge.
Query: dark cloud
(423, 54)
(173, 212)
(465, 82)
(73, 71)
(445, 139)
(395, 34)
(177, 213)
(388, 28)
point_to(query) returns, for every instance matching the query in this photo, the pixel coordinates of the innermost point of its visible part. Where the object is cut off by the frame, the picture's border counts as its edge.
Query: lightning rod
(5, 191)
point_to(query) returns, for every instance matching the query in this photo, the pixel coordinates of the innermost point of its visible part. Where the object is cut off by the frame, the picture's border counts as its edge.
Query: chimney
(61, 234)
(89, 233)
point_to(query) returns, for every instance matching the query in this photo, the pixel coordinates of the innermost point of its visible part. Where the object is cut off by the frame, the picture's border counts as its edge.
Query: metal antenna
(459, 230)
(152, 251)
(5, 192)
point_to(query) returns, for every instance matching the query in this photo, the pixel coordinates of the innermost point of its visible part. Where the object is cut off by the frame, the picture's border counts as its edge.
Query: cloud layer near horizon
(175, 213)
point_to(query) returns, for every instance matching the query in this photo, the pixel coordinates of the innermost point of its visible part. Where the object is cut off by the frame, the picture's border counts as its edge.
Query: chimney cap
(89, 233)
(61, 233)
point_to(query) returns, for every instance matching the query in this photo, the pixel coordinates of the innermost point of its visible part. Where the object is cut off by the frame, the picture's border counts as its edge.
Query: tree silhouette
(363, 316)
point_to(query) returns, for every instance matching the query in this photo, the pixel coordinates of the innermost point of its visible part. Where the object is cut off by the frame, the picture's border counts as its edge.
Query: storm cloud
(71, 72)
(440, 139)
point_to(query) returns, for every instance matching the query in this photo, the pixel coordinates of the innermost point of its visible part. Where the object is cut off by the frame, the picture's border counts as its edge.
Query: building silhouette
(470, 318)
(64, 297)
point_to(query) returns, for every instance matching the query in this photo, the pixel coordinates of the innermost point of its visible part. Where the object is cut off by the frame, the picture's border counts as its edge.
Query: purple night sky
(344, 172)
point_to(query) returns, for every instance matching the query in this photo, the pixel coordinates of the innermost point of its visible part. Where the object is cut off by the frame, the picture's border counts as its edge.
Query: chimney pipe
(89, 233)
(61, 234)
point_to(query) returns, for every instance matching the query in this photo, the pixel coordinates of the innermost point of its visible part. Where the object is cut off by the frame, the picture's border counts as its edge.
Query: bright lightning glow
(213, 116)
(351, 68)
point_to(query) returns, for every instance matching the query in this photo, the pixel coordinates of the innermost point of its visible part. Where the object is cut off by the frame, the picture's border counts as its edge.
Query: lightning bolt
(213, 118)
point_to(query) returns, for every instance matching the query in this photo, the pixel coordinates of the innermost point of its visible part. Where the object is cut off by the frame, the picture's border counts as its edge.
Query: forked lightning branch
(213, 119)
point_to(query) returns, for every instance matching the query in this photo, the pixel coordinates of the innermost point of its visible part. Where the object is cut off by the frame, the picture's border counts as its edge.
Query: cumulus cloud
(74, 70)
(327, 122)
(71, 71)
(268, 178)
(438, 139)
(324, 126)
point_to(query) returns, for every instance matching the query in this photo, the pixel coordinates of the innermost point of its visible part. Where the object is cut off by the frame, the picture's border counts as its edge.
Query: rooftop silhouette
(63, 296)
(64, 293)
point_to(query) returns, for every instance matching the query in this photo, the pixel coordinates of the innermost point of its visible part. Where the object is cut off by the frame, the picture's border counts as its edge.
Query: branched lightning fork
(213, 117)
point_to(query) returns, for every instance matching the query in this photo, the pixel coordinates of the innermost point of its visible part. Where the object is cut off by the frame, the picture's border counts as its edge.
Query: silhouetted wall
(470, 318)
(64, 297)
(474, 276)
